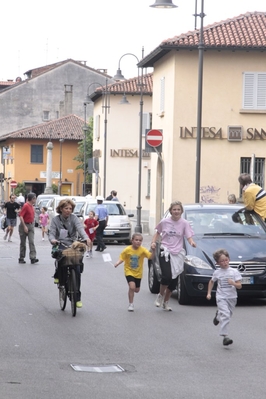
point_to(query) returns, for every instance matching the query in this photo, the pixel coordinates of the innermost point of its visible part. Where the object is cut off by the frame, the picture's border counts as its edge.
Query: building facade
(233, 131)
(48, 93)
(24, 157)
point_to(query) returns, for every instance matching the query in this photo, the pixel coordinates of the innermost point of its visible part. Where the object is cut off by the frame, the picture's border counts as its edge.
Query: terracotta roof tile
(69, 127)
(129, 86)
(246, 30)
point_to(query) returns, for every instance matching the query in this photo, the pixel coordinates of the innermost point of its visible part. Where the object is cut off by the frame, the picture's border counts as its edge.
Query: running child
(44, 220)
(228, 281)
(90, 226)
(133, 256)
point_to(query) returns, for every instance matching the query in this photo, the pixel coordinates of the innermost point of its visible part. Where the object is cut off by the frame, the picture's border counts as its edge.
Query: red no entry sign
(154, 138)
(13, 184)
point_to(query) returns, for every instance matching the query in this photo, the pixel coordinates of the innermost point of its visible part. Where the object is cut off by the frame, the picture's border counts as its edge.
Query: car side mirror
(130, 215)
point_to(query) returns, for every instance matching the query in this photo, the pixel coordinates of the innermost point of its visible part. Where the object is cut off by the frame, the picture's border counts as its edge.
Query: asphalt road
(170, 355)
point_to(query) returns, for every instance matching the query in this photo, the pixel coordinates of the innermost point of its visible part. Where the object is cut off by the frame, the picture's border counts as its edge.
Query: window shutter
(249, 87)
(261, 92)
(162, 95)
(97, 127)
(146, 123)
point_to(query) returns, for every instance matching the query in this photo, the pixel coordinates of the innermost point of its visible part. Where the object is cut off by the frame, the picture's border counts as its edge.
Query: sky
(100, 32)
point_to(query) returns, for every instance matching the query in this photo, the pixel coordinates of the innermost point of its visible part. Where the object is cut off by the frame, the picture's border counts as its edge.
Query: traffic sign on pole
(13, 184)
(154, 138)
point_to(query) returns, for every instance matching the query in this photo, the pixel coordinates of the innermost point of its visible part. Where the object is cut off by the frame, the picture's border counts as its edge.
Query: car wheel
(36, 224)
(154, 284)
(182, 295)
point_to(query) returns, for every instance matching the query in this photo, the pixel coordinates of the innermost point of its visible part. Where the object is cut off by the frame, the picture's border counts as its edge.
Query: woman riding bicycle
(66, 228)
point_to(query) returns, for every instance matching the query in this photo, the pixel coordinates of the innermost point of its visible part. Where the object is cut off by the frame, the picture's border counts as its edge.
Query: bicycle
(69, 260)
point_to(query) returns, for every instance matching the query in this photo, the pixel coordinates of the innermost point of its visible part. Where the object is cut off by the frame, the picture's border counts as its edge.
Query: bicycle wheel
(62, 297)
(73, 291)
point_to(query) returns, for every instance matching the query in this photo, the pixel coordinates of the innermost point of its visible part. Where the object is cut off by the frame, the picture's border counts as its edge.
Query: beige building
(121, 123)
(233, 112)
(233, 128)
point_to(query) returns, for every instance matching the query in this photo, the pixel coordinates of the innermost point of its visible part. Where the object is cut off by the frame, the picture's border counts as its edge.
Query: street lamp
(105, 107)
(119, 76)
(60, 177)
(169, 4)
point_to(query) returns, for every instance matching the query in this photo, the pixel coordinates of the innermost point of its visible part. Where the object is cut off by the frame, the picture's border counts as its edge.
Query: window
(146, 123)
(254, 90)
(255, 164)
(97, 127)
(149, 183)
(162, 95)
(46, 115)
(36, 153)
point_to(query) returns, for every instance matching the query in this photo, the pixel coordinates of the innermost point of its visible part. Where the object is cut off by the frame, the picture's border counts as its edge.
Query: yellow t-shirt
(133, 260)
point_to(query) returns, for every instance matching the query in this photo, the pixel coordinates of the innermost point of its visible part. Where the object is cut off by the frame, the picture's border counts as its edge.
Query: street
(176, 354)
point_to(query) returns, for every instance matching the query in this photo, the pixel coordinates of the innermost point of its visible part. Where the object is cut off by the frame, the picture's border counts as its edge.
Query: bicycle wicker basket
(72, 257)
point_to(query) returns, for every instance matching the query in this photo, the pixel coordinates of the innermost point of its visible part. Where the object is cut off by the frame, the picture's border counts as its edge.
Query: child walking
(90, 226)
(44, 220)
(228, 281)
(133, 256)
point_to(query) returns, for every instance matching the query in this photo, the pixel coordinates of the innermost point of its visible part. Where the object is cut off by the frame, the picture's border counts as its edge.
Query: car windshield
(224, 221)
(78, 207)
(113, 209)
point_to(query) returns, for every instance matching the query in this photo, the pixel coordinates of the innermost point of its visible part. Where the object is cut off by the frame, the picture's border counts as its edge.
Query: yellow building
(24, 156)
(233, 128)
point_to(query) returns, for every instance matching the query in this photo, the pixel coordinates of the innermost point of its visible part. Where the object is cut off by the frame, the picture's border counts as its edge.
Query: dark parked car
(38, 207)
(242, 234)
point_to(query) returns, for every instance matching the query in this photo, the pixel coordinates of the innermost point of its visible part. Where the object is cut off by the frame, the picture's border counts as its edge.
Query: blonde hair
(174, 203)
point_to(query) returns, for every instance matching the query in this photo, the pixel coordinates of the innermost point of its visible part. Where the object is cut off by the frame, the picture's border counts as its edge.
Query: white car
(119, 225)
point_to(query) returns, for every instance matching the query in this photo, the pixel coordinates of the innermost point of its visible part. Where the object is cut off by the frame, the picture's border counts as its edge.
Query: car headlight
(125, 224)
(197, 262)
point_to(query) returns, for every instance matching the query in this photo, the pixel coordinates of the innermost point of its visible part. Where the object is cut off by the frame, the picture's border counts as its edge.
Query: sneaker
(21, 260)
(159, 300)
(42, 239)
(131, 307)
(56, 280)
(97, 249)
(215, 320)
(79, 304)
(166, 307)
(34, 260)
(227, 341)
(87, 254)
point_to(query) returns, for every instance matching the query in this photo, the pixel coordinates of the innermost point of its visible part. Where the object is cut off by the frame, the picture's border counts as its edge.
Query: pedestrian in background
(133, 257)
(228, 281)
(171, 232)
(43, 221)
(101, 214)
(254, 196)
(114, 196)
(231, 199)
(21, 199)
(91, 226)
(11, 208)
(26, 229)
(109, 198)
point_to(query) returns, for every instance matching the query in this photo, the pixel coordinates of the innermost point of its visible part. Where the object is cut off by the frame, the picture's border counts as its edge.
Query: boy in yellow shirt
(133, 256)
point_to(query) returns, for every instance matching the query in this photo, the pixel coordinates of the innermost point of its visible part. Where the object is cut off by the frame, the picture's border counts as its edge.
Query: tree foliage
(88, 149)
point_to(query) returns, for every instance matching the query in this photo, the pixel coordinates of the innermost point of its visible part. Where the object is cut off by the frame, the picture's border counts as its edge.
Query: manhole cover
(110, 368)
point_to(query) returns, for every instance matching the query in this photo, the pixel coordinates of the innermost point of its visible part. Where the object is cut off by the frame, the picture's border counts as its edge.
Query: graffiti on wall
(209, 194)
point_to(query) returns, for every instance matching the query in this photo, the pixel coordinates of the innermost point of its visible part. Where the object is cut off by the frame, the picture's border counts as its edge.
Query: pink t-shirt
(172, 233)
(44, 219)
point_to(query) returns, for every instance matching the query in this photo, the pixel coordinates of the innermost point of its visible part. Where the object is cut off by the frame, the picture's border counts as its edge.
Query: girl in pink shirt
(44, 220)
